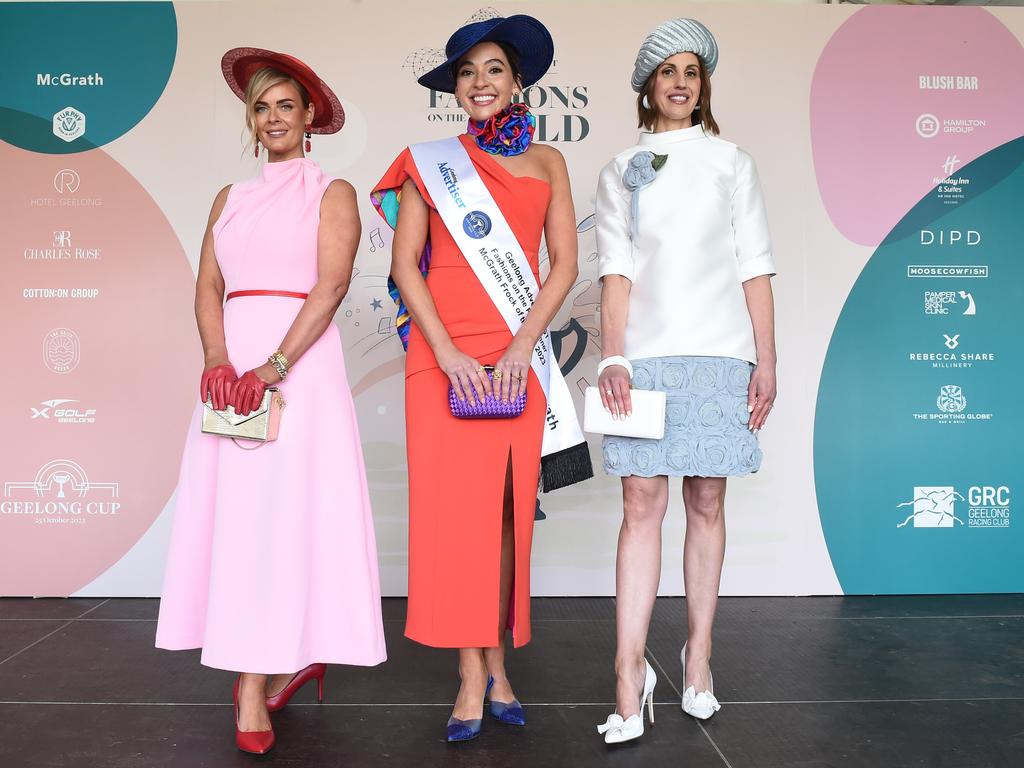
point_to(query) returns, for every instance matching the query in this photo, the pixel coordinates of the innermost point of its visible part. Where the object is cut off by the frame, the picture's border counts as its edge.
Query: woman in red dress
(473, 483)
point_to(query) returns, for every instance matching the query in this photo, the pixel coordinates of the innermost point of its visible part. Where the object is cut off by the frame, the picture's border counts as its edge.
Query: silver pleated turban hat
(668, 39)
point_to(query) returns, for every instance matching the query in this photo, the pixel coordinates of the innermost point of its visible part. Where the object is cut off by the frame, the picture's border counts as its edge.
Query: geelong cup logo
(951, 399)
(61, 350)
(68, 124)
(477, 224)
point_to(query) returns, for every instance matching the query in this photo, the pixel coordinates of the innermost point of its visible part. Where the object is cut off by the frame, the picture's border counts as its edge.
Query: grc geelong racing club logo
(988, 506)
(477, 224)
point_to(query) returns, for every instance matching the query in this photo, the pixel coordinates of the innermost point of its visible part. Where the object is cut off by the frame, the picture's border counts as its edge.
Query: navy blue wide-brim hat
(526, 34)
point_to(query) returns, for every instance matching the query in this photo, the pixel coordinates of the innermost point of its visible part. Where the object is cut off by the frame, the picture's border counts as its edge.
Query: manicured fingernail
(629, 413)
(757, 430)
(750, 409)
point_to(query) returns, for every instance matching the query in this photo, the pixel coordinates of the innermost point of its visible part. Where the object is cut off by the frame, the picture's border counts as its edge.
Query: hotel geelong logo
(68, 124)
(66, 183)
(61, 493)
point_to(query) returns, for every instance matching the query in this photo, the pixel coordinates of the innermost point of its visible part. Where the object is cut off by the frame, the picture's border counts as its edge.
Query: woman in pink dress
(273, 563)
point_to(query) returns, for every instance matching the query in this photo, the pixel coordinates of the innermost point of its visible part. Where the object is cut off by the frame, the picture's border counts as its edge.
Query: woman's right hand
(613, 384)
(216, 385)
(465, 373)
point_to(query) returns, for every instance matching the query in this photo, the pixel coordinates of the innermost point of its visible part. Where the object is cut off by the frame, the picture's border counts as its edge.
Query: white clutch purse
(647, 420)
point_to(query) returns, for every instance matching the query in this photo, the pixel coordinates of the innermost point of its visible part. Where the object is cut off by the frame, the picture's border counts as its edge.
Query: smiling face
(485, 80)
(281, 119)
(675, 90)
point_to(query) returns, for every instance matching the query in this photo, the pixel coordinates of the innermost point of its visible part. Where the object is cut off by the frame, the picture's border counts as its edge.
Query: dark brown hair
(646, 116)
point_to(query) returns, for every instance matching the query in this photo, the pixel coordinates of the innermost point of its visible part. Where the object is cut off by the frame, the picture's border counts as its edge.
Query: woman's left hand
(761, 395)
(248, 391)
(512, 371)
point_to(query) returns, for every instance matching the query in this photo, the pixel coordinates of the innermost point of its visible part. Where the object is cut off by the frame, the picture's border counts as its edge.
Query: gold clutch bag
(260, 425)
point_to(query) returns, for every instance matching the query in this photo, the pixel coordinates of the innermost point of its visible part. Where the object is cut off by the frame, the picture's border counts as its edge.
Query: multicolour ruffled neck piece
(506, 133)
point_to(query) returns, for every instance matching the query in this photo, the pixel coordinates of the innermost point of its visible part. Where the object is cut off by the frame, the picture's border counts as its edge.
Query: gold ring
(609, 393)
(497, 374)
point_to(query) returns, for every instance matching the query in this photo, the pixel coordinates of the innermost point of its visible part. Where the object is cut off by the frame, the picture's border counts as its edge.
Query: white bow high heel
(617, 730)
(700, 705)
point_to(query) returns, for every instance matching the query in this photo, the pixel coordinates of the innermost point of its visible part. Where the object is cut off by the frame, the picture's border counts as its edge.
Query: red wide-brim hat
(240, 64)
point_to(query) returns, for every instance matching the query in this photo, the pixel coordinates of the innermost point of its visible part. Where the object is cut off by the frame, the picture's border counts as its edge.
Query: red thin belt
(286, 294)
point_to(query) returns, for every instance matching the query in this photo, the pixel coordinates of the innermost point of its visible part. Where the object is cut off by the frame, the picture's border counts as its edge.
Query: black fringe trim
(566, 467)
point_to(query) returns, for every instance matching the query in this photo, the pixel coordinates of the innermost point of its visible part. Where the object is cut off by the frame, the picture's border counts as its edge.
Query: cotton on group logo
(934, 507)
(68, 124)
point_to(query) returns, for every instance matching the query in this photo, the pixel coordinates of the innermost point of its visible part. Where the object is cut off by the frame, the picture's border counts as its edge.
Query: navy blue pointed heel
(463, 730)
(507, 712)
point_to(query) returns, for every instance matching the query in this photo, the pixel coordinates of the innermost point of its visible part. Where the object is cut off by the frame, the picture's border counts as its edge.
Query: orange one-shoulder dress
(457, 467)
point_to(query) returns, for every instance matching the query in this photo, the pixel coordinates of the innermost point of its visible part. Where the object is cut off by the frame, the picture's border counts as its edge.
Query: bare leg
(637, 573)
(495, 657)
(277, 683)
(252, 703)
(470, 703)
(703, 554)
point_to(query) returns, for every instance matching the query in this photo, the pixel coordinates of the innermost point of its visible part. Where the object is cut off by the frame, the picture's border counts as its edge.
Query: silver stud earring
(696, 108)
(646, 103)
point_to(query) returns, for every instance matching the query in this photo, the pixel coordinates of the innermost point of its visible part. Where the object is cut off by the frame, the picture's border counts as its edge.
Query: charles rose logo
(62, 350)
(988, 506)
(68, 124)
(61, 492)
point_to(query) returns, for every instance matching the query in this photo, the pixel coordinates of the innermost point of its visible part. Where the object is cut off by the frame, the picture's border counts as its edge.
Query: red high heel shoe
(303, 676)
(253, 742)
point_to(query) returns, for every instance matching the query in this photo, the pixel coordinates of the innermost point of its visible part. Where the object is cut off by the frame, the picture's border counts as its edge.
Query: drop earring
(257, 150)
(309, 145)
(645, 102)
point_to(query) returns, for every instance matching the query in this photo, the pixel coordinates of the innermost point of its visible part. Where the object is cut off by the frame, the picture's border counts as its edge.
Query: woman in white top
(686, 308)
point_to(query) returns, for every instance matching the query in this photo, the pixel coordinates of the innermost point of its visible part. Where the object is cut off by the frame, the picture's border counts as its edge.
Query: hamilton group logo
(60, 491)
(951, 399)
(68, 124)
(62, 350)
(927, 126)
(934, 507)
(477, 224)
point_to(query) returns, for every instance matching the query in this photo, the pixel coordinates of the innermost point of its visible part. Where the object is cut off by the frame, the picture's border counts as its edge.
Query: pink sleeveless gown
(273, 560)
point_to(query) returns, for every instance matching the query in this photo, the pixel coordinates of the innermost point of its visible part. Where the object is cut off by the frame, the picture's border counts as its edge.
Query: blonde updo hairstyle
(265, 78)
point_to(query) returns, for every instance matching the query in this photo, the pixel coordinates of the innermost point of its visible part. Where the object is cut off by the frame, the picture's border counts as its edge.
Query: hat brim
(239, 65)
(526, 34)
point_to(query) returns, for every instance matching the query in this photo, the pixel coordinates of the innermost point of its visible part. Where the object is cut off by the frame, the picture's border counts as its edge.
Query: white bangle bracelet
(615, 360)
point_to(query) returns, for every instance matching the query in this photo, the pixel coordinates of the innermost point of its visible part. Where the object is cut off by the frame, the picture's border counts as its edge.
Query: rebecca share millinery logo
(68, 124)
(949, 302)
(61, 492)
(477, 224)
(59, 411)
(62, 350)
(950, 357)
(951, 408)
(988, 506)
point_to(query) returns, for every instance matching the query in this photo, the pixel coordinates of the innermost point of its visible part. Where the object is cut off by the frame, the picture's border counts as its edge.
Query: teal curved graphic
(79, 75)
(917, 460)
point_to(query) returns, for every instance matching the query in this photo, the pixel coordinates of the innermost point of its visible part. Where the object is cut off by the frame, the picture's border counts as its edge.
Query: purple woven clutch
(490, 408)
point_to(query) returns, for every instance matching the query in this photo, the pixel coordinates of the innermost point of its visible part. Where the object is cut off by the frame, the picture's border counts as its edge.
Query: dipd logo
(477, 224)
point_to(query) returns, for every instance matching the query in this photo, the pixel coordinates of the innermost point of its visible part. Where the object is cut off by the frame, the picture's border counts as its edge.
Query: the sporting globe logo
(477, 224)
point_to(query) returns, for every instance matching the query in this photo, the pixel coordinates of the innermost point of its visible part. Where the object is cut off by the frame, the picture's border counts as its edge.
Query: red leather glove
(247, 393)
(216, 384)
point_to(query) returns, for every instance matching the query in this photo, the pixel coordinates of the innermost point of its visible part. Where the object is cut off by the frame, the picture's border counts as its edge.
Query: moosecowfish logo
(477, 224)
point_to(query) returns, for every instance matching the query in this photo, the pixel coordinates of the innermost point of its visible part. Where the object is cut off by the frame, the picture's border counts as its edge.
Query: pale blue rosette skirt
(706, 416)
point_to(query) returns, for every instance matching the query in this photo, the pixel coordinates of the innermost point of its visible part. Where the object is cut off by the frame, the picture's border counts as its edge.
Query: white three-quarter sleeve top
(701, 232)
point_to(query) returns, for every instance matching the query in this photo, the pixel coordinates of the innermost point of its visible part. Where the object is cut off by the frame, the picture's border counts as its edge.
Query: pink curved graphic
(101, 375)
(901, 99)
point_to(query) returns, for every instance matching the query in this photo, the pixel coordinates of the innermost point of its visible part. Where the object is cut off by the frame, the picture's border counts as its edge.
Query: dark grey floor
(935, 682)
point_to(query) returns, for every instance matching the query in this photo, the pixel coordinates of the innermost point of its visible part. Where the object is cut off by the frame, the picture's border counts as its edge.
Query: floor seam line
(67, 623)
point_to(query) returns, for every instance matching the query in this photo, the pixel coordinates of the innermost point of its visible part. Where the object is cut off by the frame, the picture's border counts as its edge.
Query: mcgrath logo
(934, 507)
(477, 224)
(62, 350)
(68, 124)
(66, 181)
(951, 399)
(927, 126)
